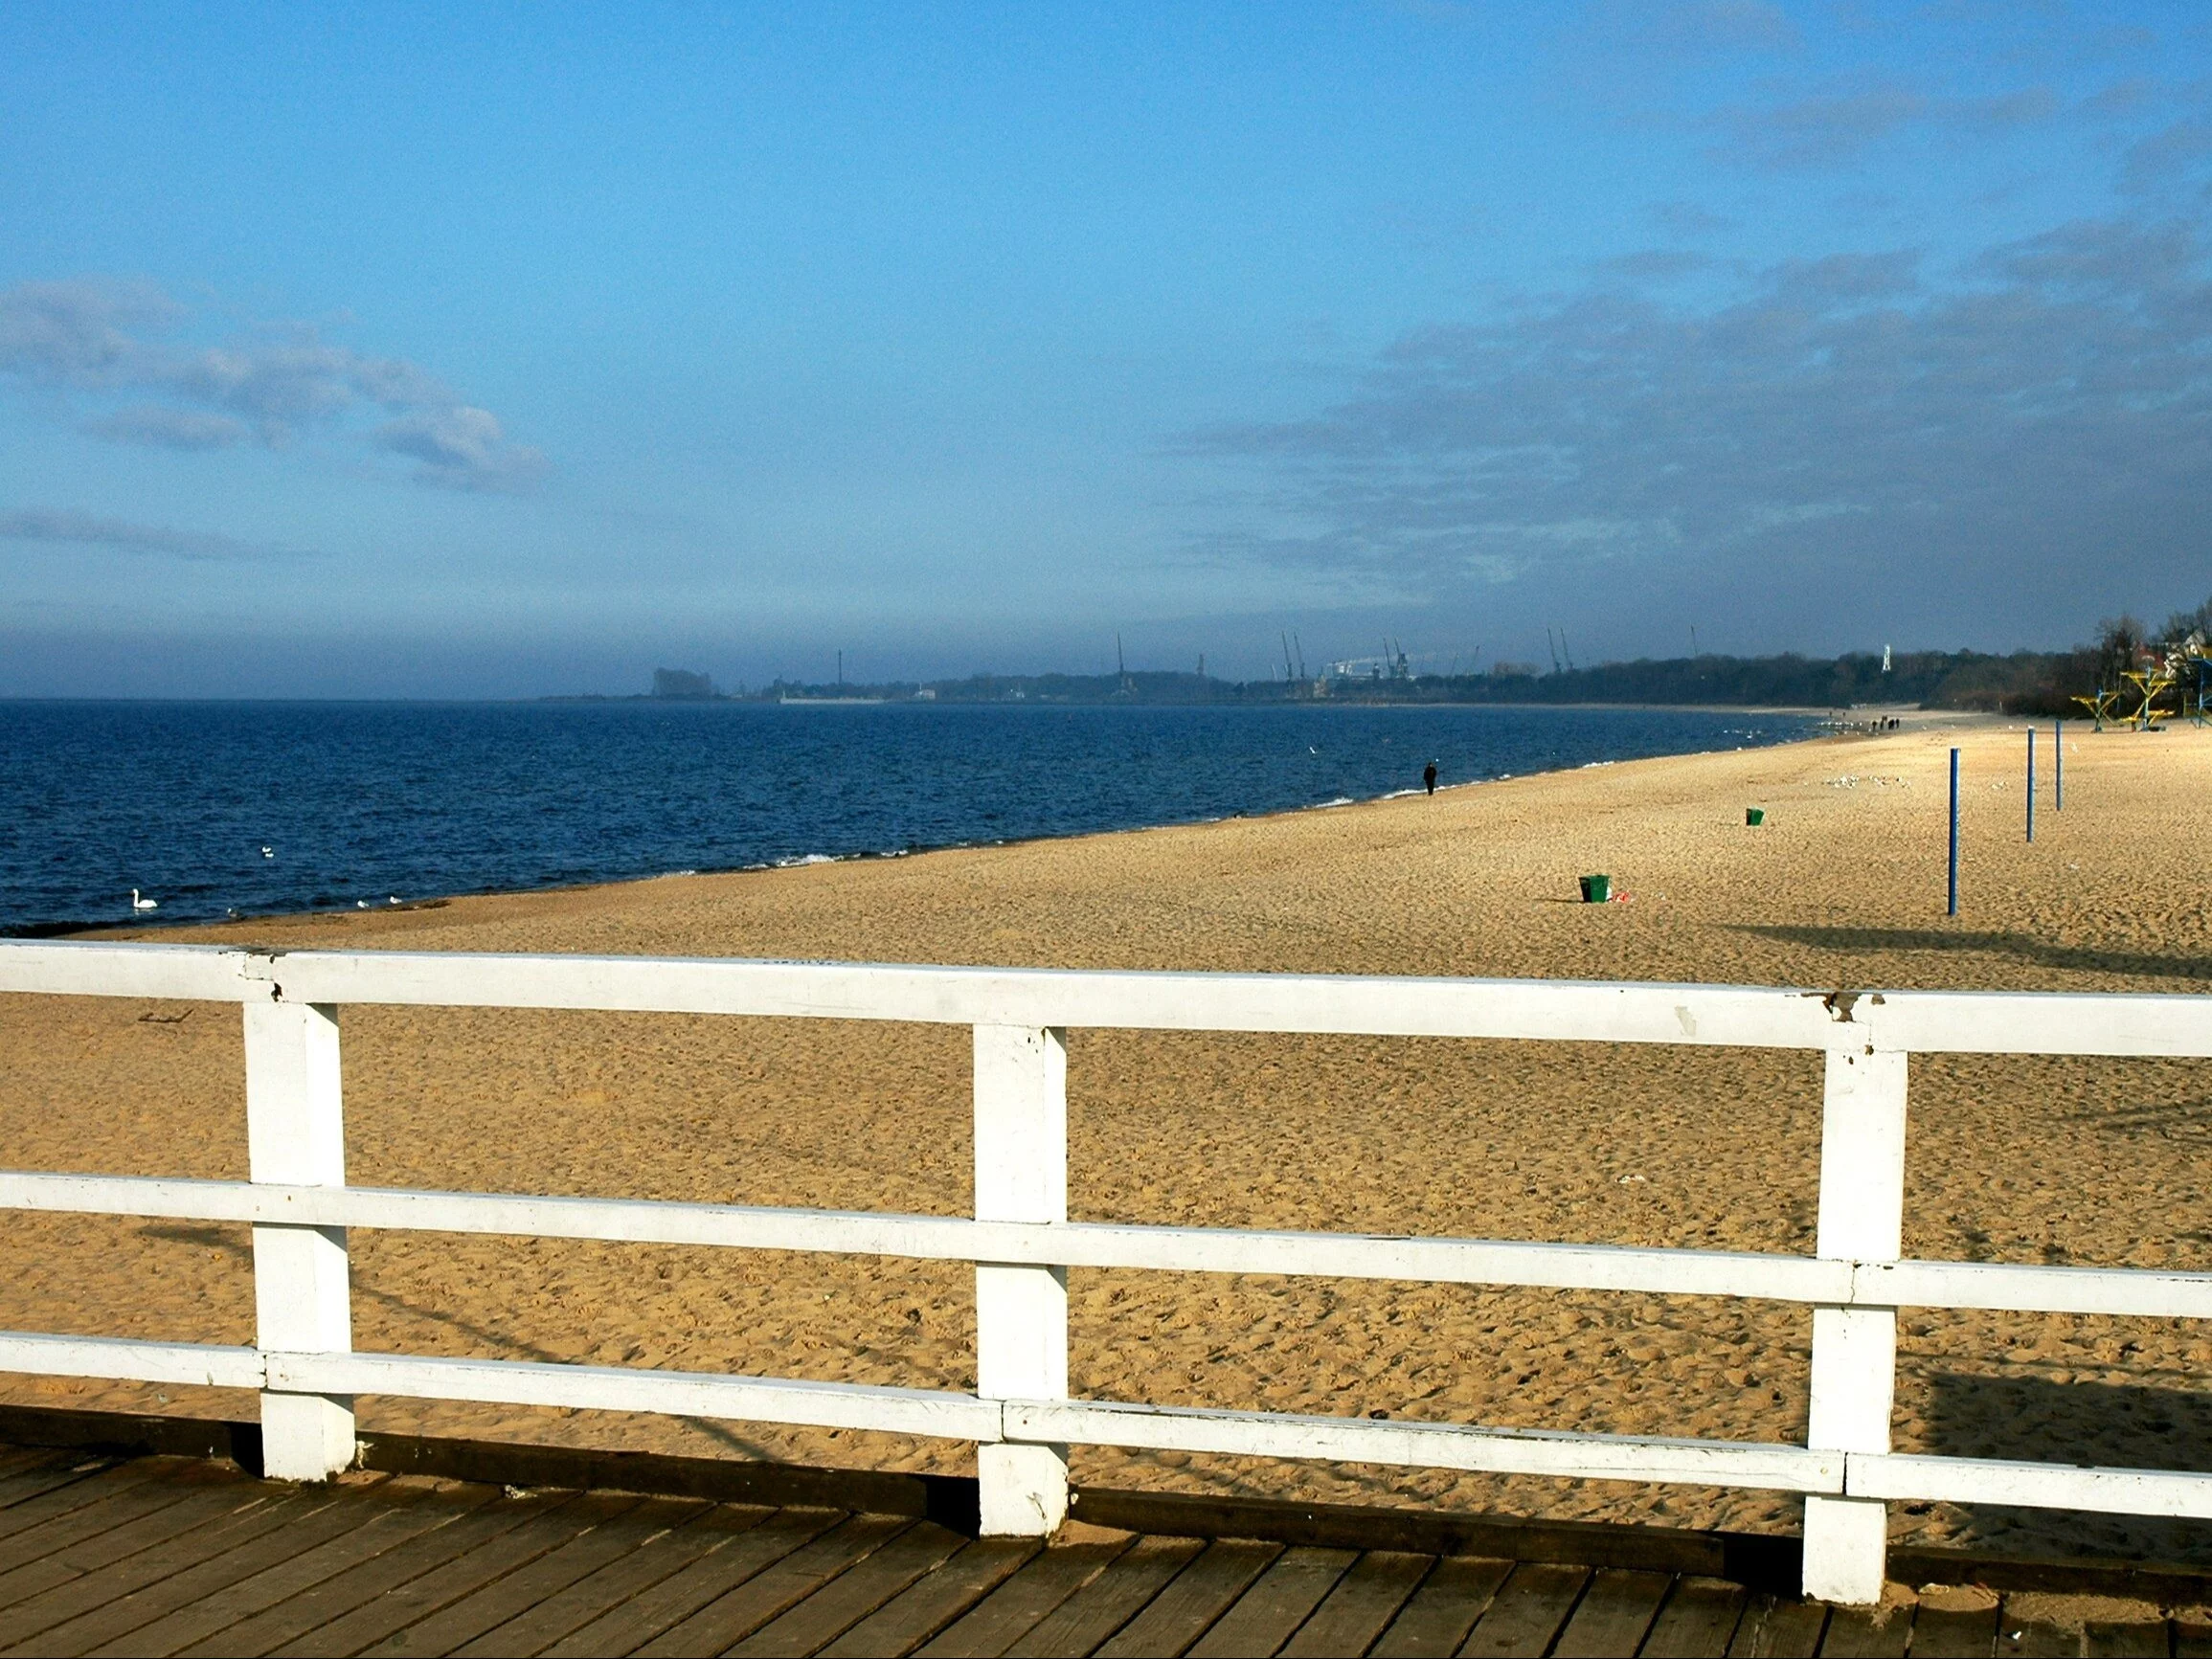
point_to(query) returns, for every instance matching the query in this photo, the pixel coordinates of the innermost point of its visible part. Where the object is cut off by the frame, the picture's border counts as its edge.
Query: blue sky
(415, 350)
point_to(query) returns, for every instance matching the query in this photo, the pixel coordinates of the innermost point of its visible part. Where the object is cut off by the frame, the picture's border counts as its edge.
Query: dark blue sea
(369, 802)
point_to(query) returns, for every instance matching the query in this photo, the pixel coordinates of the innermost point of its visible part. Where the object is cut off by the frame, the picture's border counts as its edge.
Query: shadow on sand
(2043, 953)
(2041, 1420)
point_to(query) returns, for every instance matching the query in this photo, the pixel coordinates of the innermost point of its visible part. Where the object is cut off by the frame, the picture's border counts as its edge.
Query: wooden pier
(161, 1555)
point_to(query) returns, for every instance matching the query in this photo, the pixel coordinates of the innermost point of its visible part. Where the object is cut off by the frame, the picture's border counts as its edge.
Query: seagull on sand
(139, 904)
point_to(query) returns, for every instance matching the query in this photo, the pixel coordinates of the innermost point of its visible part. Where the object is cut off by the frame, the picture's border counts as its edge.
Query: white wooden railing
(303, 1365)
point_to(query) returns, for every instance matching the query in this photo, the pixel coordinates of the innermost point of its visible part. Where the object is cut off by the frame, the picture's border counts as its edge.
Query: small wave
(1340, 801)
(807, 859)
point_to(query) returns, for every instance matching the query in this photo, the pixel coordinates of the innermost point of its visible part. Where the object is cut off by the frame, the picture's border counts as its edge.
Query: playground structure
(2182, 669)
(2150, 683)
(2099, 704)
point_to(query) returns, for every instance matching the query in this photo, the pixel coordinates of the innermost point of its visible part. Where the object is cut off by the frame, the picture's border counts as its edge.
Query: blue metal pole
(2058, 766)
(2031, 801)
(1953, 909)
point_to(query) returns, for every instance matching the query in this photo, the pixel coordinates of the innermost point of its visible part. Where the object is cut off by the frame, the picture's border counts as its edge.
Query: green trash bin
(1596, 889)
(1755, 815)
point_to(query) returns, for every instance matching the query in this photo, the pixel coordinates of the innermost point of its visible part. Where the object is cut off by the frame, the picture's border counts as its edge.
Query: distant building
(679, 682)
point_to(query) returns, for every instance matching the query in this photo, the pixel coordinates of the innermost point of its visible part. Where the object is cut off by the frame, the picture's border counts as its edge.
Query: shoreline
(1925, 720)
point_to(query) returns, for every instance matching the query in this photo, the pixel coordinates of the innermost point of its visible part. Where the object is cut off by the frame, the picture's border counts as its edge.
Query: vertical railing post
(1950, 904)
(1022, 1311)
(296, 1137)
(1855, 1349)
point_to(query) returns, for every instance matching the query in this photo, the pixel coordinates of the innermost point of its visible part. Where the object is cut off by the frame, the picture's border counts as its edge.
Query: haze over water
(368, 802)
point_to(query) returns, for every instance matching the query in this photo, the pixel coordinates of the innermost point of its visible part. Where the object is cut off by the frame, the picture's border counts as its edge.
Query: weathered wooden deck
(174, 1555)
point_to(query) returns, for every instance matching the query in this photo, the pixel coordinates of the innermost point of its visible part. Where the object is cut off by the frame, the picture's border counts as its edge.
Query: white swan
(139, 904)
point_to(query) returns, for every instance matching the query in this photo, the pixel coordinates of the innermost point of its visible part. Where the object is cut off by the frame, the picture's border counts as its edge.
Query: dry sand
(2010, 1160)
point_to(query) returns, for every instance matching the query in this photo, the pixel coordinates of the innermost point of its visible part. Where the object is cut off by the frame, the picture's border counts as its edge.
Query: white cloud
(462, 448)
(96, 339)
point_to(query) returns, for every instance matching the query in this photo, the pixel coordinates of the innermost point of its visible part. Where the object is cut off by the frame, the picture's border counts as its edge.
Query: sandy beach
(2060, 1161)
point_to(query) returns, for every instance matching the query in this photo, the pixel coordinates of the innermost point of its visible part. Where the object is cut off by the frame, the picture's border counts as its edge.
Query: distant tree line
(2040, 683)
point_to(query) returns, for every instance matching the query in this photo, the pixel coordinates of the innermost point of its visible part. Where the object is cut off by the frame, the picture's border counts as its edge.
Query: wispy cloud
(164, 428)
(1688, 219)
(2165, 155)
(461, 447)
(2052, 393)
(1833, 128)
(1654, 265)
(48, 525)
(93, 339)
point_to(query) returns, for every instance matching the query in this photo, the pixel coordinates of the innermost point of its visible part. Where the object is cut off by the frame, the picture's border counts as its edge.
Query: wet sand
(2077, 1161)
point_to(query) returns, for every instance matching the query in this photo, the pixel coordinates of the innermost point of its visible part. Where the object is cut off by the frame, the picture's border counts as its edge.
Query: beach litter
(1595, 889)
(1755, 815)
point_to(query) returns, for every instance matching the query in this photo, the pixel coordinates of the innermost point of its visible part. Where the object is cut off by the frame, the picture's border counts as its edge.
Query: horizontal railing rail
(1020, 1416)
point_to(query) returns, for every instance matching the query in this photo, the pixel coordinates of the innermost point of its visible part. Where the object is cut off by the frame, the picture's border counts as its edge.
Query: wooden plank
(595, 1538)
(42, 1556)
(1271, 1611)
(736, 1614)
(748, 1550)
(289, 1525)
(101, 1487)
(1528, 1611)
(47, 1471)
(1031, 1596)
(359, 1525)
(556, 1616)
(1192, 1600)
(1949, 1633)
(1613, 1614)
(1362, 1604)
(914, 1615)
(1778, 1628)
(132, 1577)
(2124, 1638)
(364, 1604)
(108, 1536)
(1110, 1600)
(1440, 1613)
(293, 1522)
(1880, 1632)
(860, 1590)
(1696, 1621)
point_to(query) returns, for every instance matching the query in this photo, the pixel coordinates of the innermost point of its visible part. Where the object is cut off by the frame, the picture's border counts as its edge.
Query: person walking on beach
(1429, 776)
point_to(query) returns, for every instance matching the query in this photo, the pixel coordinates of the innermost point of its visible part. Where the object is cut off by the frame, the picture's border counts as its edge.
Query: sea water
(252, 808)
